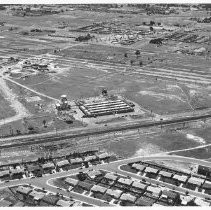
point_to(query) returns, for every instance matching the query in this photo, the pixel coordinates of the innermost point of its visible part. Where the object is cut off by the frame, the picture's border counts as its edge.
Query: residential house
(138, 167)
(48, 167)
(64, 203)
(85, 186)
(127, 197)
(99, 189)
(23, 192)
(5, 203)
(72, 182)
(114, 193)
(144, 201)
(49, 200)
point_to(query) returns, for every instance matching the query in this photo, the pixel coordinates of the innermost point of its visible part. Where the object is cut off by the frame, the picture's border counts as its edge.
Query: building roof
(23, 190)
(128, 197)
(165, 174)
(204, 168)
(195, 181)
(125, 181)
(93, 173)
(103, 155)
(138, 166)
(114, 193)
(151, 170)
(97, 188)
(48, 165)
(139, 185)
(63, 163)
(19, 204)
(111, 176)
(37, 195)
(207, 185)
(76, 160)
(157, 205)
(71, 181)
(50, 199)
(17, 170)
(85, 185)
(143, 201)
(64, 203)
(33, 167)
(5, 203)
(186, 199)
(154, 190)
(182, 178)
(200, 202)
(170, 194)
(4, 173)
(89, 158)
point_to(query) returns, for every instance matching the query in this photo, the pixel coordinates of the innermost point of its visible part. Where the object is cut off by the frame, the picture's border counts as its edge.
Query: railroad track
(91, 132)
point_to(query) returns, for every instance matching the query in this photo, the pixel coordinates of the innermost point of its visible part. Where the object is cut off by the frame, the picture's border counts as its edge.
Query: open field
(171, 78)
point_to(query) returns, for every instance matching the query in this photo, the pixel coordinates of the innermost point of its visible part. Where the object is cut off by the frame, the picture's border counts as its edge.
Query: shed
(170, 194)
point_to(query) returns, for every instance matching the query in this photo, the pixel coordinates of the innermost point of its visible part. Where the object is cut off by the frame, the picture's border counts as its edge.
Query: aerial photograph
(105, 105)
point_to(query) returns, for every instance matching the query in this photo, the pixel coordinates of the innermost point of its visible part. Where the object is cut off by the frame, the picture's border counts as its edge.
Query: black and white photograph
(105, 104)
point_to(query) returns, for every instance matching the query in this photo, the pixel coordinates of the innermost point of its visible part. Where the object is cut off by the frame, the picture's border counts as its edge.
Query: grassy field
(5, 108)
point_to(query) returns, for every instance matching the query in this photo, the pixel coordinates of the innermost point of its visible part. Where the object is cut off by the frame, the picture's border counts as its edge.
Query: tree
(44, 123)
(151, 23)
(126, 55)
(137, 53)
(151, 28)
(140, 63)
(131, 62)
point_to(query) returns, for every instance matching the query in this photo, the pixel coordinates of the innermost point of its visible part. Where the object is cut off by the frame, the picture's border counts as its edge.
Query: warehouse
(107, 107)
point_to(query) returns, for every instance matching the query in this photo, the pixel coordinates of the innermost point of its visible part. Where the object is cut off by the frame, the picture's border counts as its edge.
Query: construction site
(126, 80)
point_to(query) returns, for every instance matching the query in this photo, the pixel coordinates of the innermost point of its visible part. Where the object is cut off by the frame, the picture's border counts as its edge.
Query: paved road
(113, 167)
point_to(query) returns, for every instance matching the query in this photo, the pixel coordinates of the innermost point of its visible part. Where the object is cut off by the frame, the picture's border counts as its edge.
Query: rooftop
(111, 176)
(97, 188)
(151, 170)
(138, 166)
(64, 203)
(125, 181)
(165, 174)
(139, 185)
(128, 197)
(71, 181)
(114, 193)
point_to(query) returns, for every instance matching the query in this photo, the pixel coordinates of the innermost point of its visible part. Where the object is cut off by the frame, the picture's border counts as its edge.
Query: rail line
(98, 131)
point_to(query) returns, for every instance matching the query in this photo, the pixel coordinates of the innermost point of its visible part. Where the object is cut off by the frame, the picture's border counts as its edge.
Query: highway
(46, 180)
